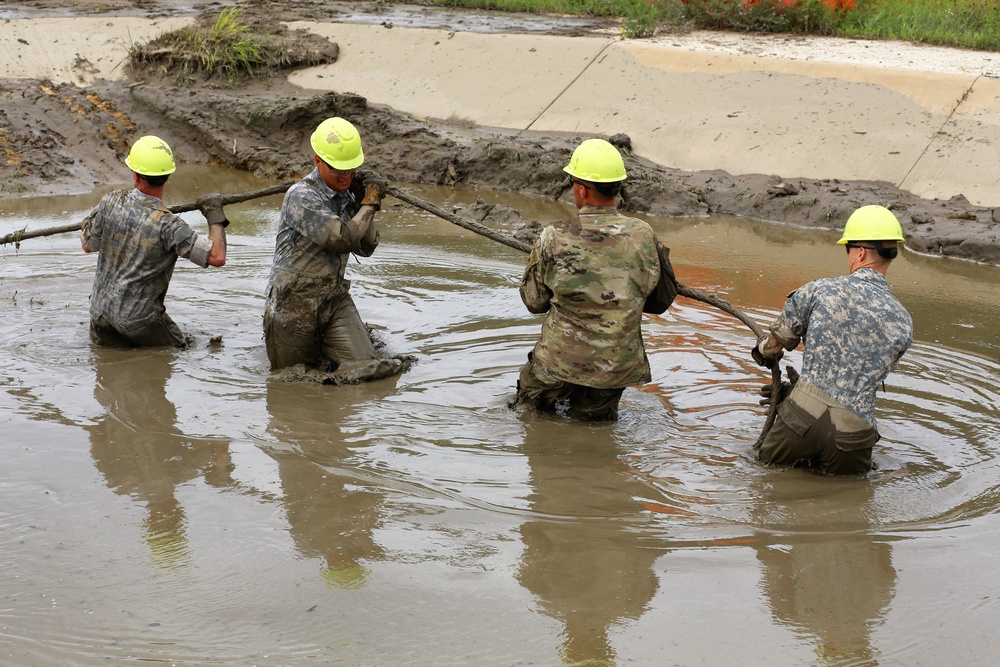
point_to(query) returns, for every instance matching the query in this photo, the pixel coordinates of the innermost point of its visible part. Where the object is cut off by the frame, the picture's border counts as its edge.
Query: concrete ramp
(496, 80)
(934, 131)
(924, 119)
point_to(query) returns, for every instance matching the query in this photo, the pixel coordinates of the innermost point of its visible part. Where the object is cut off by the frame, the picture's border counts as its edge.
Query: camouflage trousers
(160, 332)
(808, 432)
(299, 332)
(578, 401)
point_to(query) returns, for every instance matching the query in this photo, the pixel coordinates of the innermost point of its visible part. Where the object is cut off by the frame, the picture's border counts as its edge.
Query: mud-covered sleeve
(790, 327)
(534, 292)
(664, 288)
(92, 229)
(178, 237)
(368, 243)
(305, 211)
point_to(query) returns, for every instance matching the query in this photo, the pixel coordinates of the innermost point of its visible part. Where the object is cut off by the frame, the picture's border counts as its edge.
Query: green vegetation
(971, 24)
(225, 48)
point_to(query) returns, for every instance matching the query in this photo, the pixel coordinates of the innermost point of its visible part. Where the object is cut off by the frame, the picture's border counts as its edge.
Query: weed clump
(226, 50)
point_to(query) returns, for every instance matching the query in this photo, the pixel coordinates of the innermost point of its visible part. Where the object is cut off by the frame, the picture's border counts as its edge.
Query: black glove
(765, 393)
(783, 391)
(211, 207)
(375, 187)
(766, 362)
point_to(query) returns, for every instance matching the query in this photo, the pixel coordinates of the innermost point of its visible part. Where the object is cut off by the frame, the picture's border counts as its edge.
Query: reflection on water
(586, 557)
(141, 450)
(331, 514)
(185, 507)
(826, 575)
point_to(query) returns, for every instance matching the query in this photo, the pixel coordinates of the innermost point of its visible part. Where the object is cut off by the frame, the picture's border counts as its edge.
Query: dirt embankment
(66, 138)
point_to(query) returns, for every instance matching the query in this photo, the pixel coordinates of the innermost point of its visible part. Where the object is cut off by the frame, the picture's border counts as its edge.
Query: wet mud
(66, 138)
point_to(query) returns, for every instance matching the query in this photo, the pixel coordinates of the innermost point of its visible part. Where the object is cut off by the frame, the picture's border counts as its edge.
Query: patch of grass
(226, 48)
(973, 24)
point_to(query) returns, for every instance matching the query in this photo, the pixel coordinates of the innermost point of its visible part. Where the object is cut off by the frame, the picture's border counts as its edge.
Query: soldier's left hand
(211, 207)
(766, 362)
(375, 187)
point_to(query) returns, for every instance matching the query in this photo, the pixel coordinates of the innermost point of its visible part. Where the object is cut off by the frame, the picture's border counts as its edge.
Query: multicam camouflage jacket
(139, 241)
(592, 276)
(314, 241)
(855, 332)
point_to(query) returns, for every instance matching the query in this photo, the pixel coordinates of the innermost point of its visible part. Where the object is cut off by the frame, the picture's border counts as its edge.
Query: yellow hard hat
(872, 223)
(597, 161)
(337, 142)
(346, 576)
(151, 156)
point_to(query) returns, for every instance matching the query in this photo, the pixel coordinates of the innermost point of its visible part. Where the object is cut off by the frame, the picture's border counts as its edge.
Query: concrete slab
(80, 50)
(964, 155)
(496, 80)
(893, 119)
(745, 114)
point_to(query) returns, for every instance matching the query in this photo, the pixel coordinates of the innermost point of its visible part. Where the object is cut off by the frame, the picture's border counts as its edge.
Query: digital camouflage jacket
(855, 332)
(313, 244)
(138, 240)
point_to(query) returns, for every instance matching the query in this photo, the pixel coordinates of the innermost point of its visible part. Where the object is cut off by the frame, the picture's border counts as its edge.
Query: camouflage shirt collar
(144, 199)
(317, 182)
(870, 275)
(598, 210)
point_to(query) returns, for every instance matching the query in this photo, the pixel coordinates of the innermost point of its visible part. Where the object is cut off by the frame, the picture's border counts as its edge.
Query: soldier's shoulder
(569, 226)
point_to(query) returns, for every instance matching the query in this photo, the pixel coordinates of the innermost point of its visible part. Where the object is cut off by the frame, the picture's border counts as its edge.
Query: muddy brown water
(185, 508)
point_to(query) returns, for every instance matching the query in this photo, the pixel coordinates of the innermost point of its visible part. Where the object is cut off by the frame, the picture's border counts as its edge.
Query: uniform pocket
(850, 442)
(795, 418)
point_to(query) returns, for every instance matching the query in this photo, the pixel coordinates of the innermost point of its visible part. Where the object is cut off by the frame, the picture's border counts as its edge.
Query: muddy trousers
(337, 335)
(801, 438)
(586, 403)
(161, 332)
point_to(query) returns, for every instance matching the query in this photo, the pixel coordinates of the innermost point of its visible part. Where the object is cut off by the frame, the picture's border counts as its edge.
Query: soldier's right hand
(784, 390)
(766, 395)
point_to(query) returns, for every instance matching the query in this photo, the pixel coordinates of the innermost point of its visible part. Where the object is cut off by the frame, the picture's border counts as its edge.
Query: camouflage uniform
(309, 315)
(592, 276)
(139, 241)
(855, 333)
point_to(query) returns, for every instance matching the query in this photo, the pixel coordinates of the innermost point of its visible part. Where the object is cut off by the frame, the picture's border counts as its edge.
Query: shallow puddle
(186, 508)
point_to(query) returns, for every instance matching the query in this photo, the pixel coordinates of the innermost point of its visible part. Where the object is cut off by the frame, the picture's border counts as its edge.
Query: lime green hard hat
(872, 223)
(151, 156)
(597, 161)
(346, 576)
(337, 142)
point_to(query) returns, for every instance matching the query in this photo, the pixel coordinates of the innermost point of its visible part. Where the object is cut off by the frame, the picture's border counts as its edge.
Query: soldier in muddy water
(309, 315)
(855, 332)
(139, 240)
(593, 276)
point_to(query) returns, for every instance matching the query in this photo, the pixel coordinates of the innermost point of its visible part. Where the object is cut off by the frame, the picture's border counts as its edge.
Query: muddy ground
(57, 139)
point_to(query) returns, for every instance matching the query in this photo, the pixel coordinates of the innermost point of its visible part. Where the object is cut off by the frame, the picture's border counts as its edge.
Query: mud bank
(67, 137)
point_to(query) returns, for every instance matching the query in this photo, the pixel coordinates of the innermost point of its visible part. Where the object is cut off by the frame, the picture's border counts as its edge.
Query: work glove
(374, 189)
(211, 207)
(783, 392)
(766, 362)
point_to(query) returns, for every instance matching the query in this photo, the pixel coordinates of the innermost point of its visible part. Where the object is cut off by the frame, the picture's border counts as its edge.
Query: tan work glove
(211, 207)
(375, 187)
